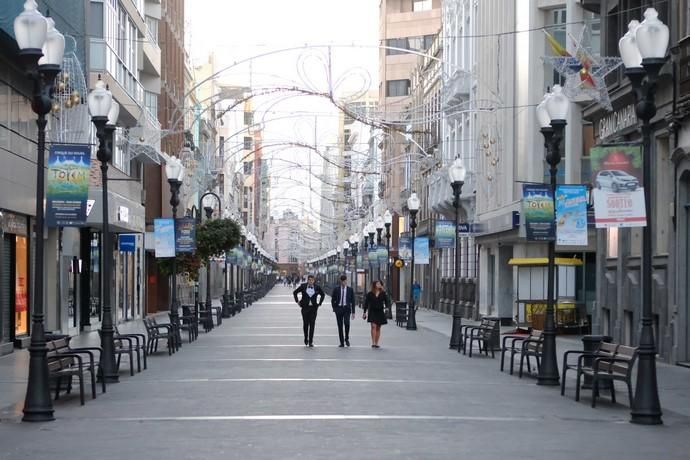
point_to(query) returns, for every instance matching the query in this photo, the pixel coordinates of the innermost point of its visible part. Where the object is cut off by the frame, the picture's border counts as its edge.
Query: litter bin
(401, 313)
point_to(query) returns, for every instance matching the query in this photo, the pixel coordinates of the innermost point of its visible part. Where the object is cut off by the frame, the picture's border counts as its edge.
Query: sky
(257, 31)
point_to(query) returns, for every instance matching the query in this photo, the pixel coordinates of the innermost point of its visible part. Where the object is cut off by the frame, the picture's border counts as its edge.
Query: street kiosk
(532, 282)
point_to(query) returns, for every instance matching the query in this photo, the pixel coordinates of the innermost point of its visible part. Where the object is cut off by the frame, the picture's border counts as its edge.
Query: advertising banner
(383, 256)
(164, 237)
(404, 248)
(445, 234)
(67, 188)
(421, 250)
(537, 206)
(373, 255)
(185, 240)
(617, 188)
(571, 215)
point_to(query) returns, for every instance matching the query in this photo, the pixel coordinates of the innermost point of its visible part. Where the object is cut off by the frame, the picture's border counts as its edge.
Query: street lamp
(174, 170)
(104, 113)
(413, 207)
(387, 222)
(456, 174)
(354, 242)
(643, 49)
(378, 222)
(41, 51)
(551, 113)
(206, 206)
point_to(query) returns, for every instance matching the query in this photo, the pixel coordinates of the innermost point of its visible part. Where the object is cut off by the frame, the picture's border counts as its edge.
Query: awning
(146, 154)
(526, 261)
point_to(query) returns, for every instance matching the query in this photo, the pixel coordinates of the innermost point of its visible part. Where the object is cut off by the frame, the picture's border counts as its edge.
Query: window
(248, 141)
(152, 26)
(420, 43)
(247, 168)
(151, 103)
(395, 88)
(557, 30)
(421, 5)
(248, 118)
(96, 20)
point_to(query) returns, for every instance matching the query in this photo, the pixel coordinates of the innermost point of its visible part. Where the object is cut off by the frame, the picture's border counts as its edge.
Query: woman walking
(375, 304)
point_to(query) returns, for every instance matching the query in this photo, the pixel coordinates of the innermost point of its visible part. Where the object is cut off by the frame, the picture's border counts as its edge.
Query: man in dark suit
(311, 300)
(343, 303)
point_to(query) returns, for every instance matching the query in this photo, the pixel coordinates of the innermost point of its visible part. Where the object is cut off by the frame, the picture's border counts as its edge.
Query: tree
(213, 238)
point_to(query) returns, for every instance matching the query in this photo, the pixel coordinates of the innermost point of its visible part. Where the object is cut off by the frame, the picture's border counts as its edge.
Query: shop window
(21, 298)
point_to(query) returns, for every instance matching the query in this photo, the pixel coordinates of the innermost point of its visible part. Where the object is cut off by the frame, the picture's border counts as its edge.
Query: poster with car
(617, 188)
(571, 215)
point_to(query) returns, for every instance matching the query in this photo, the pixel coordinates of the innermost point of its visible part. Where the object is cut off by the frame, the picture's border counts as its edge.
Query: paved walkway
(251, 390)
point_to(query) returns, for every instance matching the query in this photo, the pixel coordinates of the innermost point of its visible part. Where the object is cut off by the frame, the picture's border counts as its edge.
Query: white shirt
(310, 291)
(342, 296)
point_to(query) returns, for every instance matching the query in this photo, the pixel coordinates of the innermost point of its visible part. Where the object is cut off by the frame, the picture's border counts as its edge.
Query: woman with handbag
(375, 309)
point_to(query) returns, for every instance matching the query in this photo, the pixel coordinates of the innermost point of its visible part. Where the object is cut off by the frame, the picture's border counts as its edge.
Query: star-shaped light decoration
(584, 73)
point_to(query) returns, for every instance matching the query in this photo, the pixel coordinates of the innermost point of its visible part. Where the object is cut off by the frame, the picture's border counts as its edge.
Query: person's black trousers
(308, 322)
(343, 317)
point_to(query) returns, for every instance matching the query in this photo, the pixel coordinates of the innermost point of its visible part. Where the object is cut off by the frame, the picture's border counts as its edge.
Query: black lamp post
(413, 207)
(643, 49)
(456, 174)
(387, 222)
(552, 113)
(104, 113)
(354, 242)
(41, 49)
(175, 173)
(209, 214)
(378, 222)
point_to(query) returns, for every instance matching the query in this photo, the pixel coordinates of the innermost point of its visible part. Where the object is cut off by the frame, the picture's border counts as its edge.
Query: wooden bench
(486, 335)
(515, 346)
(156, 332)
(70, 362)
(610, 363)
(531, 348)
(138, 344)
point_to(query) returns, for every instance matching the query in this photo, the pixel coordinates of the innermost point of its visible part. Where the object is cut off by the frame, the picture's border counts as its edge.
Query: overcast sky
(238, 29)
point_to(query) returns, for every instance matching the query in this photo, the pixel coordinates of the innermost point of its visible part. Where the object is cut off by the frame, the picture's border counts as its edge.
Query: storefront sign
(617, 121)
(571, 215)
(164, 237)
(445, 234)
(421, 250)
(185, 235)
(618, 191)
(537, 205)
(68, 185)
(13, 223)
(128, 242)
(468, 229)
(404, 248)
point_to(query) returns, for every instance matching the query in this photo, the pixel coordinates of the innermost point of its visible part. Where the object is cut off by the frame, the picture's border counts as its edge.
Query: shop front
(14, 281)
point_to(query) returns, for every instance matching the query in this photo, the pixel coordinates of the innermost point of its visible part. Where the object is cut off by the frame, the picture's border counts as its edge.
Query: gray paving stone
(251, 390)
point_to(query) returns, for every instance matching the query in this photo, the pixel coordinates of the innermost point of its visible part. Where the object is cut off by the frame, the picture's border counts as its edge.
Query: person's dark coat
(306, 301)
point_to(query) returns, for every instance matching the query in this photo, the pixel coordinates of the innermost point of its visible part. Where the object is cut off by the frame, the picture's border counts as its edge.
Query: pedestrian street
(250, 389)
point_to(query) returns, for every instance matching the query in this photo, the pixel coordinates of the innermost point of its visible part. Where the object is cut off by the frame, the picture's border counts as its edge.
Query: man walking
(343, 303)
(309, 304)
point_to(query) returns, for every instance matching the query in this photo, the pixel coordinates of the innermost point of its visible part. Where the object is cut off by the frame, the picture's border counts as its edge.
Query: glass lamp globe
(557, 104)
(30, 28)
(100, 100)
(627, 47)
(53, 46)
(114, 114)
(379, 223)
(543, 114)
(652, 36)
(413, 202)
(457, 172)
(387, 217)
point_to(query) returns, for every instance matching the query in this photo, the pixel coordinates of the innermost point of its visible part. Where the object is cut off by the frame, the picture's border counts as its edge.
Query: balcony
(151, 49)
(457, 90)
